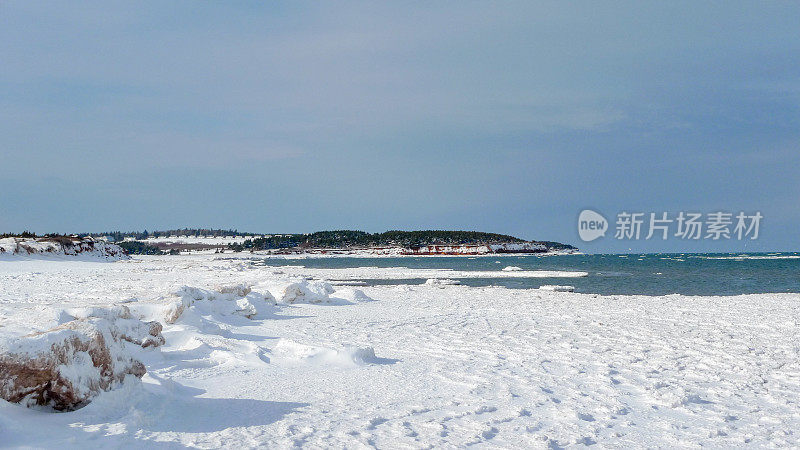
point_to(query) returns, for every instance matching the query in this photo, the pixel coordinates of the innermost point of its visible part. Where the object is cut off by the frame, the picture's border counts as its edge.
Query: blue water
(648, 274)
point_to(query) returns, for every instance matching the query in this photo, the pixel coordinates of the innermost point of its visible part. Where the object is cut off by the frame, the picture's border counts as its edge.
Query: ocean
(609, 274)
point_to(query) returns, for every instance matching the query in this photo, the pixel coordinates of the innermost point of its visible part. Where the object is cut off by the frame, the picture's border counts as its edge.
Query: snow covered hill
(59, 247)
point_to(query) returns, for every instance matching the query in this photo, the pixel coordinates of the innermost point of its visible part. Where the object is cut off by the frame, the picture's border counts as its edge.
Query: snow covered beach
(410, 366)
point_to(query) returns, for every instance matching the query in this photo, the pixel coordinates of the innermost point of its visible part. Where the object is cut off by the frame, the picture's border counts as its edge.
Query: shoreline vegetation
(394, 242)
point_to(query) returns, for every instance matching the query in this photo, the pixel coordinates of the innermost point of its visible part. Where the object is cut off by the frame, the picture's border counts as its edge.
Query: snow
(466, 249)
(353, 295)
(207, 240)
(432, 251)
(288, 352)
(307, 292)
(441, 282)
(556, 288)
(514, 247)
(402, 273)
(14, 249)
(66, 366)
(408, 366)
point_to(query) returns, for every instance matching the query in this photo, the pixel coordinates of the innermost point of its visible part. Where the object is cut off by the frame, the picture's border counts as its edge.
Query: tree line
(142, 235)
(393, 238)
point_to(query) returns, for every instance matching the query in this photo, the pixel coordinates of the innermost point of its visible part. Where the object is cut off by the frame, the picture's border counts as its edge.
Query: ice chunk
(557, 288)
(68, 365)
(307, 292)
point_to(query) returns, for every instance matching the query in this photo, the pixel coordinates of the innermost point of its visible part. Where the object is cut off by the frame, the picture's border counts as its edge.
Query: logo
(718, 225)
(591, 225)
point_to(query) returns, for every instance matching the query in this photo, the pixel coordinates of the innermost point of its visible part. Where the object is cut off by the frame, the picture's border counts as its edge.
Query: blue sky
(508, 117)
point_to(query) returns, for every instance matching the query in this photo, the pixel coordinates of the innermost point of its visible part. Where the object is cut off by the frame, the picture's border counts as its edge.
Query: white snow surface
(409, 366)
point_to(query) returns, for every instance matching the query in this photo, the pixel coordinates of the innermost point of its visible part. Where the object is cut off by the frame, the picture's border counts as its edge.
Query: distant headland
(424, 242)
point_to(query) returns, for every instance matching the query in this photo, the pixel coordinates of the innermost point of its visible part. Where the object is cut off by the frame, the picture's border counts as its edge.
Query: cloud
(429, 111)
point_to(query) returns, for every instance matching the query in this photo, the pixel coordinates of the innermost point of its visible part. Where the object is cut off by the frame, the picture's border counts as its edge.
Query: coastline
(368, 254)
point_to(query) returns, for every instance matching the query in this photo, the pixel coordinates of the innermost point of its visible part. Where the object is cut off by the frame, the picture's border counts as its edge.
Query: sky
(507, 117)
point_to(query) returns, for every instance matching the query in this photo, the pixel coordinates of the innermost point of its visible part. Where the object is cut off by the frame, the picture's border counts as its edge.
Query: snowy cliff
(61, 246)
(467, 249)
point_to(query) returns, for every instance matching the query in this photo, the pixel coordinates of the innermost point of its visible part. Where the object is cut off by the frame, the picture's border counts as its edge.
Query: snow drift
(353, 295)
(307, 292)
(226, 300)
(342, 355)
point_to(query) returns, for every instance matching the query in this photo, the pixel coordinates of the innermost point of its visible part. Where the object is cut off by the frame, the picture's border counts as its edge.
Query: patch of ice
(348, 283)
(441, 282)
(557, 288)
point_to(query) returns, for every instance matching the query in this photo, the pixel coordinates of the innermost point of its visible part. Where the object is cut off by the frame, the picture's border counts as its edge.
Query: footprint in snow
(485, 409)
(490, 433)
(375, 422)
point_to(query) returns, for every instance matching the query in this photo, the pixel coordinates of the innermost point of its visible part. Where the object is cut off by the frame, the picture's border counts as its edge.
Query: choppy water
(647, 274)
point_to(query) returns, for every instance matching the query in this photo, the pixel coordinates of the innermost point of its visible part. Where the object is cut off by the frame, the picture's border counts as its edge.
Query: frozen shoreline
(364, 254)
(442, 365)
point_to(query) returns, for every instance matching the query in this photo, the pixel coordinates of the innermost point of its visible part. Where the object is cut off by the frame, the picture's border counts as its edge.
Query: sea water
(609, 274)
